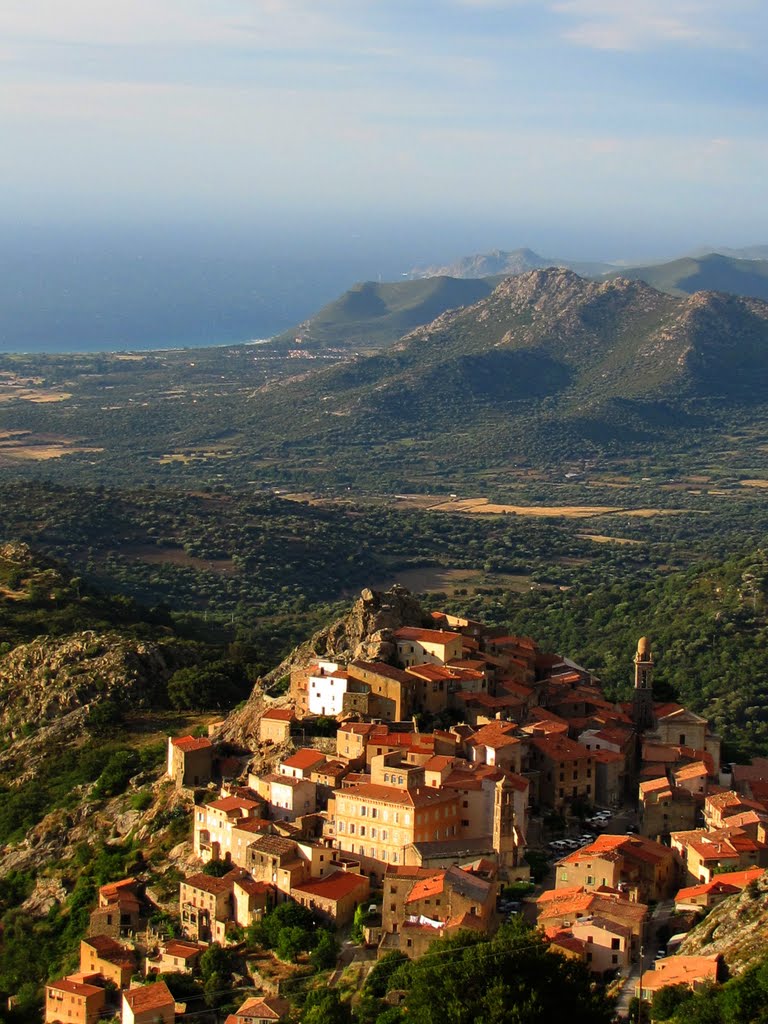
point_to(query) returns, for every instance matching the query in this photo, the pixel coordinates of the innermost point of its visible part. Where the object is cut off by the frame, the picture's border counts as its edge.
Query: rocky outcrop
(736, 929)
(365, 632)
(42, 681)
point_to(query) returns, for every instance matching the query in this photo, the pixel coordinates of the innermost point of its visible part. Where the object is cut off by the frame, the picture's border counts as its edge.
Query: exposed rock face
(736, 928)
(50, 677)
(363, 633)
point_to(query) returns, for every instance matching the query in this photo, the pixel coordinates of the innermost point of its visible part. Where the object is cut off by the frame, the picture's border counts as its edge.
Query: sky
(600, 128)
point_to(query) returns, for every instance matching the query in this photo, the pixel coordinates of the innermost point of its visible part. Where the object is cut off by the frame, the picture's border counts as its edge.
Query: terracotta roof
(182, 949)
(432, 636)
(209, 883)
(76, 988)
(115, 888)
(279, 715)
(652, 785)
(267, 1008)
(333, 887)
(359, 728)
(389, 794)
(433, 673)
(495, 735)
(148, 997)
(564, 940)
(233, 803)
(273, 845)
(691, 771)
(426, 888)
(106, 946)
(305, 758)
(607, 756)
(560, 748)
(681, 970)
(252, 825)
(190, 743)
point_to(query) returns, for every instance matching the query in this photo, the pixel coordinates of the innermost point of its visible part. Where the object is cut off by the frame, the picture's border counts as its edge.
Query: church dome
(643, 647)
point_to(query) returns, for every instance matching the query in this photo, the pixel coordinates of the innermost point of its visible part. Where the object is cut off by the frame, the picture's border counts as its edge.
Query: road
(660, 916)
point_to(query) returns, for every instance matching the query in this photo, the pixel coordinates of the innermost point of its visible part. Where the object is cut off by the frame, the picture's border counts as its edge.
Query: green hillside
(712, 272)
(373, 314)
(548, 368)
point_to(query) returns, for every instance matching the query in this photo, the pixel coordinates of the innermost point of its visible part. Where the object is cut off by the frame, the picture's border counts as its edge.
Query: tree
(326, 951)
(509, 979)
(324, 1006)
(667, 1001)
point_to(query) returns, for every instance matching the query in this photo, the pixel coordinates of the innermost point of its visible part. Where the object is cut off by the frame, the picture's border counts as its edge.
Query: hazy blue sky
(568, 125)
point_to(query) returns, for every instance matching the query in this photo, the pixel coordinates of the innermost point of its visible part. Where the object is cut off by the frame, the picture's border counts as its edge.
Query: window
(363, 810)
(614, 959)
(614, 943)
(351, 828)
(362, 830)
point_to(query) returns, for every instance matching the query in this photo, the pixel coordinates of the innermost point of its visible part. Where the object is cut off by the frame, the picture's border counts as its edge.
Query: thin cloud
(642, 24)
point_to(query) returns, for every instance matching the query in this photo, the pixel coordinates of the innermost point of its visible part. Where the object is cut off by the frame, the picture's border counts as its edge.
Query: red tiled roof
(233, 803)
(267, 1008)
(148, 997)
(279, 715)
(209, 883)
(432, 636)
(76, 988)
(426, 888)
(560, 748)
(190, 743)
(333, 887)
(182, 949)
(305, 758)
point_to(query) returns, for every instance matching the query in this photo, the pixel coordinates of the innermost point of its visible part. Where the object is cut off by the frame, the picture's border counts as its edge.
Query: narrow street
(660, 916)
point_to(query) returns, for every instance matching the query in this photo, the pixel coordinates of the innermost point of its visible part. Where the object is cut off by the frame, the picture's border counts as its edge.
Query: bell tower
(504, 832)
(642, 698)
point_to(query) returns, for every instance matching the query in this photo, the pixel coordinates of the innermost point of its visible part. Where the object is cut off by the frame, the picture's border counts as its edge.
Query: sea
(107, 288)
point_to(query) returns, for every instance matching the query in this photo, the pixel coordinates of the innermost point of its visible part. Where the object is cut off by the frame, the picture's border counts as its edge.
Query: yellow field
(21, 445)
(600, 538)
(754, 483)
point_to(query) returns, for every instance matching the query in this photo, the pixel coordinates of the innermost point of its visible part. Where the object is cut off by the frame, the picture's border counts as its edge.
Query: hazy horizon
(368, 136)
(113, 287)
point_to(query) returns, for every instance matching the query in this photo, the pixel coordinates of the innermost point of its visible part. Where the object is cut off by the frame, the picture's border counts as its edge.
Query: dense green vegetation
(708, 625)
(548, 369)
(508, 979)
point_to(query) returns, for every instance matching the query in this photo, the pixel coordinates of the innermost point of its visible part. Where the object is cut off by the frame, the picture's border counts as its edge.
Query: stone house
(421, 905)
(190, 760)
(335, 897)
(275, 725)
(149, 1004)
(73, 1002)
(180, 955)
(101, 954)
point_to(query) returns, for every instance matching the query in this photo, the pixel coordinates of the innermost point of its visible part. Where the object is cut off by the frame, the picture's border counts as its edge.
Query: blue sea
(89, 289)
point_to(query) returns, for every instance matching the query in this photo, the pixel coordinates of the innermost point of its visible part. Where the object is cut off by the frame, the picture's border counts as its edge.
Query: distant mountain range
(713, 272)
(517, 261)
(373, 315)
(547, 363)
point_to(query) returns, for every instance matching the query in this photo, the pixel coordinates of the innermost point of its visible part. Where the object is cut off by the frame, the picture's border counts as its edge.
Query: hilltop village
(469, 777)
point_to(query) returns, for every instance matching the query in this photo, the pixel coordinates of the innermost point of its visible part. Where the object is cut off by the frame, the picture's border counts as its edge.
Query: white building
(326, 687)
